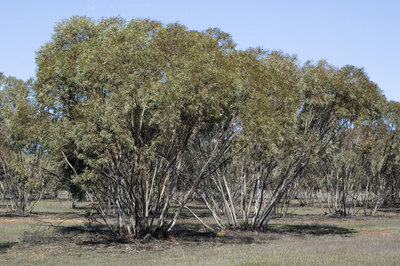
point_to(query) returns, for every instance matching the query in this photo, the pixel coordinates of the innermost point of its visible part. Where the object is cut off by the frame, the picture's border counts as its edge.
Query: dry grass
(54, 237)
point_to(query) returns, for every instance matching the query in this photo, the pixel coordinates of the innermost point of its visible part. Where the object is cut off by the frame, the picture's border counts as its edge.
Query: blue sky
(361, 33)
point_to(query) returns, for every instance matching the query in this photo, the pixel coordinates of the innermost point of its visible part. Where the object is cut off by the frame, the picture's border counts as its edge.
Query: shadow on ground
(6, 245)
(188, 233)
(274, 231)
(80, 229)
(305, 229)
(395, 209)
(12, 215)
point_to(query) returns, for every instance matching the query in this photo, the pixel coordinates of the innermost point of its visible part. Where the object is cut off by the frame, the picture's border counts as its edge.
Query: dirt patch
(42, 251)
(375, 233)
(52, 221)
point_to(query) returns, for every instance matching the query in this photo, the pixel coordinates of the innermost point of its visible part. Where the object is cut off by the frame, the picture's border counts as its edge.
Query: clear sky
(364, 33)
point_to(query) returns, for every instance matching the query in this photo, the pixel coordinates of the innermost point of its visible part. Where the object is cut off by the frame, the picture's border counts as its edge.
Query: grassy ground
(57, 234)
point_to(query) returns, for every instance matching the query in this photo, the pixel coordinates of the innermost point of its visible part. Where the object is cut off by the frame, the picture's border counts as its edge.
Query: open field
(56, 234)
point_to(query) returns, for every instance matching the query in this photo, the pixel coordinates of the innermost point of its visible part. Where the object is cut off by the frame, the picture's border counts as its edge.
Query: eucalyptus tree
(358, 171)
(132, 98)
(287, 121)
(22, 159)
(141, 111)
(267, 114)
(347, 170)
(332, 99)
(388, 164)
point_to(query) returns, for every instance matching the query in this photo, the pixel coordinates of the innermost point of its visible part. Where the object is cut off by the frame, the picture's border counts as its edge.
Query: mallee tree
(132, 96)
(141, 117)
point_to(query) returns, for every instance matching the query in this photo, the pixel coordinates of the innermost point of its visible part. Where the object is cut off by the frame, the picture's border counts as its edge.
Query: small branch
(197, 217)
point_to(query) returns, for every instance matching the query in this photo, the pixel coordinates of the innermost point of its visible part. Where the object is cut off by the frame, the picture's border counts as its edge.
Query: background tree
(22, 159)
(349, 168)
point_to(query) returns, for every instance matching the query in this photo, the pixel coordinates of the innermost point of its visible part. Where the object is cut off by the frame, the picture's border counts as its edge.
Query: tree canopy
(140, 117)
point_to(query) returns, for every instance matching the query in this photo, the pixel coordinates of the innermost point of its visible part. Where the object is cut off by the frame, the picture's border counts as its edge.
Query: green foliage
(22, 159)
(268, 114)
(129, 97)
(134, 113)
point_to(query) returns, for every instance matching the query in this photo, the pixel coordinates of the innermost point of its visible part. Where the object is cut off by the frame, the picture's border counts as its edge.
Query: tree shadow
(394, 209)
(6, 245)
(309, 229)
(12, 215)
(80, 229)
(44, 234)
(195, 233)
(227, 237)
(186, 232)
